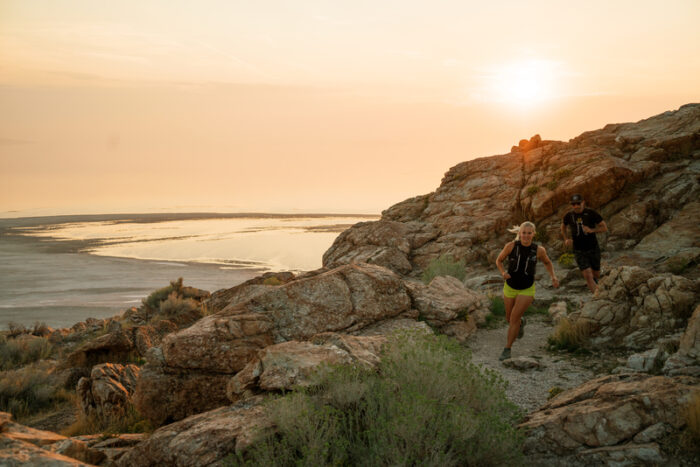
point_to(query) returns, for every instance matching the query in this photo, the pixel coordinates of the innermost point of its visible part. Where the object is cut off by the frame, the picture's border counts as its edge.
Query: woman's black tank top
(521, 266)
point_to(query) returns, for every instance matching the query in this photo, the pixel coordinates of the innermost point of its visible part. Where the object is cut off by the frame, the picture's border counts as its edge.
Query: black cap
(576, 198)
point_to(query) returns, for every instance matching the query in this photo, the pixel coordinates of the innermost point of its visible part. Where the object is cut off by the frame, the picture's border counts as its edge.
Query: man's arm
(599, 228)
(567, 240)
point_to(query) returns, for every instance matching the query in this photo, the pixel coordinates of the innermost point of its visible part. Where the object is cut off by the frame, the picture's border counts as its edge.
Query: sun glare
(524, 84)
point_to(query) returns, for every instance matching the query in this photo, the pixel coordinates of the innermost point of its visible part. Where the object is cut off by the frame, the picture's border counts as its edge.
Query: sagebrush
(426, 404)
(445, 265)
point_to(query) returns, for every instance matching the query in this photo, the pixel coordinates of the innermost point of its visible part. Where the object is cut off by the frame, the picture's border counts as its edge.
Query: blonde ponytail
(516, 229)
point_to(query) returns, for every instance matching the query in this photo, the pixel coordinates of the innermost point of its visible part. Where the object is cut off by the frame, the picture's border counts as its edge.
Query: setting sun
(523, 83)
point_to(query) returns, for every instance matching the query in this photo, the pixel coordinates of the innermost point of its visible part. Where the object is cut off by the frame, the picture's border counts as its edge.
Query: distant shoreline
(145, 218)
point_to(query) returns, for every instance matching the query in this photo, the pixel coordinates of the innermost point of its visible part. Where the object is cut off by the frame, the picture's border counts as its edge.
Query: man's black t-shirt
(589, 218)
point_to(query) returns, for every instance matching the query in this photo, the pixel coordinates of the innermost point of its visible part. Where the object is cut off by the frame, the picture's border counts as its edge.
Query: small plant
(445, 265)
(40, 329)
(677, 265)
(569, 336)
(554, 392)
(154, 299)
(542, 236)
(562, 173)
(536, 310)
(552, 185)
(272, 281)
(16, 329)
(532, 190)
(567, 260)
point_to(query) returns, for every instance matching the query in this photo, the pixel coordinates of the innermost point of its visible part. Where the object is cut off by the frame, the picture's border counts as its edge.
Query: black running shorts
(588, 259)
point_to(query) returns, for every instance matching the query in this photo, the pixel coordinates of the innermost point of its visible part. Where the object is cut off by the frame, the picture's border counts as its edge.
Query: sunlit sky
(311, 106)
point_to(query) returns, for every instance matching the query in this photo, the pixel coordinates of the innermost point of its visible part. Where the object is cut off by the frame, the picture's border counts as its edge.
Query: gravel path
(530, 388)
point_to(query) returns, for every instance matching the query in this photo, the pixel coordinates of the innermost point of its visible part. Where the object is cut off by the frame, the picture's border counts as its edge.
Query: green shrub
(30, 390)
(427, 404)
(569, 336)
(445, 265)
(677, 265)
(532, 190)
(175, 305)
(567, 260)
(22, 350)
(552, 185)
(154, 299)
(562, 173)
(272, 280)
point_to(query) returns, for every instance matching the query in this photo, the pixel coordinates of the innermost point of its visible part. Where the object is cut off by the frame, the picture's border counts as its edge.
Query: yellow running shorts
(510, 292)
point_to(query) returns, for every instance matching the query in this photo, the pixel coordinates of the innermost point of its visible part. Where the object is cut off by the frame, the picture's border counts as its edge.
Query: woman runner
(519, 287)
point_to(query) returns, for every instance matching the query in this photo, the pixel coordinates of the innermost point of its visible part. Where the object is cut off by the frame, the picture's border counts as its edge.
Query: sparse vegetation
(272, 280)
(426, 405)
(22, 350)
(552, 185)
(445, 265)
(542, 236)
(561, 173)
(567, 260)
(129, 422)
(29, 390)
(175, 305)
(677, 265)
(569, 336)
(554, 392)
(532, 190)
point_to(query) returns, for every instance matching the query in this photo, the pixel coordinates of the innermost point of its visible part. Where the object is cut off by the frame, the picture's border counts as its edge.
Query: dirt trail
(529, 389)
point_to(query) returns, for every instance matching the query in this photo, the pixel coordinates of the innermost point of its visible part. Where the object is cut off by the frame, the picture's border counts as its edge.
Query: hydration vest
(521, 266)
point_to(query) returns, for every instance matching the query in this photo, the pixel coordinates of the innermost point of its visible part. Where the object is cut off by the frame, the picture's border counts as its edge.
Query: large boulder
(207, 354)
(446, 299)
(612, 416)
(107, 392)
(203, 439)
(633, 307)
(291, 364)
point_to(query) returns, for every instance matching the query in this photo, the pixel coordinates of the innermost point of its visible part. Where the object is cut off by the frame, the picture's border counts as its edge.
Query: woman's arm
(542, 256)
(503, 255)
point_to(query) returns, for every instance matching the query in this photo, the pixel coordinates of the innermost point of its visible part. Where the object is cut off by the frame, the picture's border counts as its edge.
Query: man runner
(584, 223)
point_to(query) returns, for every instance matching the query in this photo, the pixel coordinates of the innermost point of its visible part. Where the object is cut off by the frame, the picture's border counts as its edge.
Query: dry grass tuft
(569, 336)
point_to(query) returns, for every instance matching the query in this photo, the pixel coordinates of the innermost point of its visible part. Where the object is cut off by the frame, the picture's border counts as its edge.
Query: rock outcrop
(106, 394)
(348, 298)
(619, 418)
(634, 307)
(642, 176)
(203, 439)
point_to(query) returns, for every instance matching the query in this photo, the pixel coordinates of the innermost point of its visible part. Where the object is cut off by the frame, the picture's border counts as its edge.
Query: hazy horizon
(310, 106)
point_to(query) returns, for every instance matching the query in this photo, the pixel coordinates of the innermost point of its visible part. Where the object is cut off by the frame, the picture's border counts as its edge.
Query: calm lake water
(61, 270)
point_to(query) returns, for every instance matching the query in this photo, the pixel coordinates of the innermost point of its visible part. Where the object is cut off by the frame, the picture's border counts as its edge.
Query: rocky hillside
(643, 177)
(195, 366)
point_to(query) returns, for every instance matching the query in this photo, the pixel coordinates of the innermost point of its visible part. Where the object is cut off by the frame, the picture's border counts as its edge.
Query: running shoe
(521, 332)
(505, 355)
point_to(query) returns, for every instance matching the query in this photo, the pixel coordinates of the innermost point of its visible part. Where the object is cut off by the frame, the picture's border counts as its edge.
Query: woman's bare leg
(522, 302)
